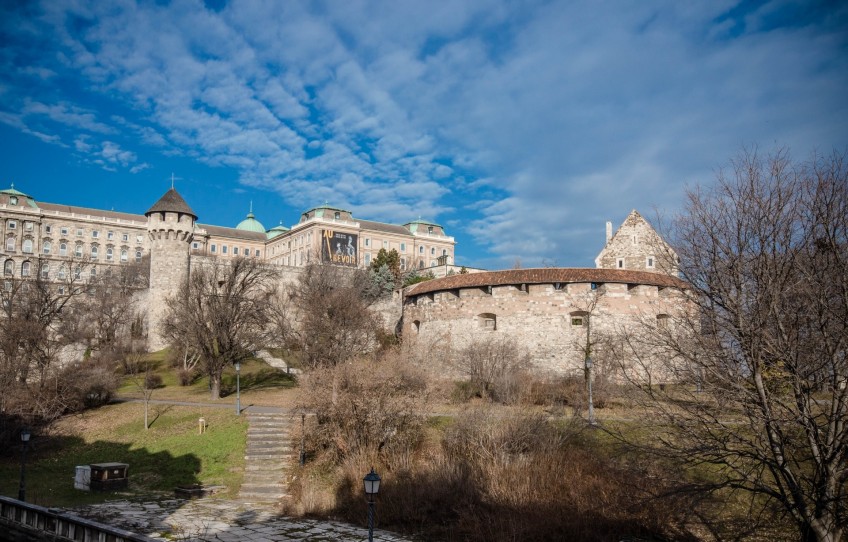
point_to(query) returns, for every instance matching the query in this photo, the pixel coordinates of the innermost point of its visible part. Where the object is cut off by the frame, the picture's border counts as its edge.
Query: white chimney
(609, 231)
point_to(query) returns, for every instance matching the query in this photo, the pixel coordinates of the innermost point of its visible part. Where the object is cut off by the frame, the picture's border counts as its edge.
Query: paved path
(210, 519)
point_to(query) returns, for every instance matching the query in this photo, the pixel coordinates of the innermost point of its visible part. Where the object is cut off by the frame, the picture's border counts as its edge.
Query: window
(27, 246)
(619, 263)
(635, 240)
(430, 230)
(13, 225)
(64, 231)
(27, 226)
(432, 251)
(45, 247)
(61, 290)
(487, 321)
(95, 234)
(137, 256)
(213, 248)
(110, 235)
(579, 318)
(337, 215)
(62, 273)
(195, 245)
(93, 272)
(125, 237)
(10, 244)
(139, 239)
(421, 250)
(78, 251)
(79, 232)
(109, 254)
(385, 244)
(223, 249)
(367, 259)
(13, 200)
(45, 271)
(9, 268)
(403, 263)
(77, 272)
(403, 247)
(63, 249)
(649, 262)
(48, 228)
(124, 256)
(235, 251)
(367, 242)
(94, 252)
(257, 252)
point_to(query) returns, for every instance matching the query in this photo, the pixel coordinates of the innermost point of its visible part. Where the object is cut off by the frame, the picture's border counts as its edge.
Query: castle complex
(548, 311)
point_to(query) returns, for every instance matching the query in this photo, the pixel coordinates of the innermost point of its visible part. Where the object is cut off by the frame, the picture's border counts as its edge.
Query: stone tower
(636, 246)
(170, 226)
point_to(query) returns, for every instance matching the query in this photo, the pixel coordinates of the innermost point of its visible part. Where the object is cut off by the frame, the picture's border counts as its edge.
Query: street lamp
(238, 389)
(589, 378)
(25, 434)
(372, 487)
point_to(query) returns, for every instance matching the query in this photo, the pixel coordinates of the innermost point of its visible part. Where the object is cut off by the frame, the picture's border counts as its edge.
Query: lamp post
(238, 389)
(25, 434)
(372, 487)
(589, 379)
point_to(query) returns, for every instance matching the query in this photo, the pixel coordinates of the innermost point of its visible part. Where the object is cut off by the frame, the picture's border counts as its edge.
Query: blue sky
(520, 126)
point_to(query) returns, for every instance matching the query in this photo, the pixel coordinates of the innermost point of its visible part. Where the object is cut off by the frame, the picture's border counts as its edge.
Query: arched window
(62, 272)
(487, 321)
(109, 253)
(432, 251)
(27, 246)
(9, 268)
(137, 256)
(78, 251)
(421, 250)
(77, 272)
(25, 269)
(63, 249)
(10, 243)
(93, 271)
(124, 256)
(94, 251)
(45, 270)
(45, 248)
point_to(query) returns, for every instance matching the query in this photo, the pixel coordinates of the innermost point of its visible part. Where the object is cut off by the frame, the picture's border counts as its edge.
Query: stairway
(268, 457)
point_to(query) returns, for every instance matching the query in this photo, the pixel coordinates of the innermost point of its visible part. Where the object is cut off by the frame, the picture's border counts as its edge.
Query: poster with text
(339, 247)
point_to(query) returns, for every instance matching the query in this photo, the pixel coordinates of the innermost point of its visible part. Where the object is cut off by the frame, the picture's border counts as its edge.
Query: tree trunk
(215, 386)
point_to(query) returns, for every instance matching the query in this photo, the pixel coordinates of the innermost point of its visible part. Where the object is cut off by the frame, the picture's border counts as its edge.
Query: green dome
(251, 224)
(277, 230)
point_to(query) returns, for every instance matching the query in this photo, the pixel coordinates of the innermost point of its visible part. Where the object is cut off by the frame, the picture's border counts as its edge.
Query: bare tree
(325, 314)
(221, 313)
(764, 350)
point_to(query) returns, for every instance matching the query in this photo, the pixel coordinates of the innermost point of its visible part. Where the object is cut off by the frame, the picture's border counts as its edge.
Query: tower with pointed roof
(170, 227)
(636, 246)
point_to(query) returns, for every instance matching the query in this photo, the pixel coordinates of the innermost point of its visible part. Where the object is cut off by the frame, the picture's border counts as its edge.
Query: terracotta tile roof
(221, 231)
(173, 202)
(93, 212)
(548, 275)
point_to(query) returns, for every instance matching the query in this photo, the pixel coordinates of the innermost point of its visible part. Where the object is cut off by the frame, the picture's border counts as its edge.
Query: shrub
(152, 381)
(495, 367)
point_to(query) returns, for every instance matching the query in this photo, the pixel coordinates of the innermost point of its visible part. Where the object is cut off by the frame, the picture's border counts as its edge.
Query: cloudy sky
(521, 126)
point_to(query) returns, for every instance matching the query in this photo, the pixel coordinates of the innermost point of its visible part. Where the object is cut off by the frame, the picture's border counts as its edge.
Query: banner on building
(339, 247)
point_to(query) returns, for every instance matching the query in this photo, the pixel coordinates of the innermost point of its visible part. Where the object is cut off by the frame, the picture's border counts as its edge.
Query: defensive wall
(549, 312)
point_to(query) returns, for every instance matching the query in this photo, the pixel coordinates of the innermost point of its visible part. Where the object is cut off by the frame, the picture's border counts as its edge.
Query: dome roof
(277, 230)
(251, 224)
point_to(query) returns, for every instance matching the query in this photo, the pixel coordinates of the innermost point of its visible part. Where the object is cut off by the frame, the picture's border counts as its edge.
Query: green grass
(169, 454)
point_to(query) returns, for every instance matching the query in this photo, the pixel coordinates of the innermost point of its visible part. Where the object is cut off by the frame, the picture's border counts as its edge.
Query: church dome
(251, 224)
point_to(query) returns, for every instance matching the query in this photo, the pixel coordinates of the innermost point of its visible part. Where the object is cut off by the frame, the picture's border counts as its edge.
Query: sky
(519, 126)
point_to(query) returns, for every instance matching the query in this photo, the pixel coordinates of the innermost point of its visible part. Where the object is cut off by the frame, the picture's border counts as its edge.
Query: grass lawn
(169, 454)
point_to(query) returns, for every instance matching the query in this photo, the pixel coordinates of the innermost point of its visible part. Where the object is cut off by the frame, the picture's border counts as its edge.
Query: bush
(186, 377)
(152, 381)
(495, 367)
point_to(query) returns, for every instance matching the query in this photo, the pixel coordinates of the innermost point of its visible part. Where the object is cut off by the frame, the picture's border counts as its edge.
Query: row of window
(13, 225)
(95, 234)
(649, 263)
(244, 251)
(26, 270)
(94, 252)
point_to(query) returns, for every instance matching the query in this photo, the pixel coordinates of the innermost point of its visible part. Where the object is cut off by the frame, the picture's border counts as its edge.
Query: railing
(25, 522)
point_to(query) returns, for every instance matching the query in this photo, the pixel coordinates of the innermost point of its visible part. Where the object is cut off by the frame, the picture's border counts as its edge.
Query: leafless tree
(762, 357)
(221, 313)
(325, 314)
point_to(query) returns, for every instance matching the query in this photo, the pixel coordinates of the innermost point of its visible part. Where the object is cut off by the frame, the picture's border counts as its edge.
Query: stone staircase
(269, 457)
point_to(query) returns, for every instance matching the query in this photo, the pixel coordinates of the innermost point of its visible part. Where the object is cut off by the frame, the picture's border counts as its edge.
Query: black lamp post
(589, 378)
(372, 487)
(238, 389)
(25, 434)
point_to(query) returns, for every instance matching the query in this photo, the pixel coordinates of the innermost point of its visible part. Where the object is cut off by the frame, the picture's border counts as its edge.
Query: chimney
(609, 231)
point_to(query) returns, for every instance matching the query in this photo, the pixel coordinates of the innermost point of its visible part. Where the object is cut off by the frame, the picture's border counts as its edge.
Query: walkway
(210, 519)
